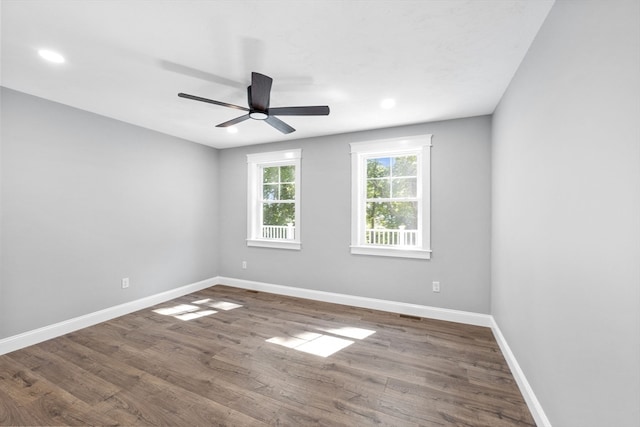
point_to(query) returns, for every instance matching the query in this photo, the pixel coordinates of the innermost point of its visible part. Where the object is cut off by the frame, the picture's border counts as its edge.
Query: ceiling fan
(258, 95)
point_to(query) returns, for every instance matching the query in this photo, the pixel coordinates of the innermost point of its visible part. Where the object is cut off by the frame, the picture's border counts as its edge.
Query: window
(390, 197)
(274, 199)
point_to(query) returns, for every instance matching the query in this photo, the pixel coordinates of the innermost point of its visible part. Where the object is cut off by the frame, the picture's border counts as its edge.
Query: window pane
(378, 188)
(270, 192)
(390, 190)
(378, 168)
(274, 196)
(287, 174)
(405, 166)
(287, 191)
(405, 187)
(392, 215)
(270, 174)
(278, 213)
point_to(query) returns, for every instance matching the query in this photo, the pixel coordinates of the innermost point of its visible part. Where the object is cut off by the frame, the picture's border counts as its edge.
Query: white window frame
(255, 164)
(360, 152)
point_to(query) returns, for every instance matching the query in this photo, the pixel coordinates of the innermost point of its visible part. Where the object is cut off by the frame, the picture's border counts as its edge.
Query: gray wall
(2, 315)
(566, 214)
(86, 201)
(461, 194)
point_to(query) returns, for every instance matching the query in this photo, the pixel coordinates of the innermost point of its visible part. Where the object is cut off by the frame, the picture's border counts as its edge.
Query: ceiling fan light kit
(258, 95)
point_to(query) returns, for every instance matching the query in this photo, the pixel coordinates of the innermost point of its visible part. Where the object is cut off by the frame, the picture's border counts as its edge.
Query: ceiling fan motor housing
(258, 115)
(258, 95)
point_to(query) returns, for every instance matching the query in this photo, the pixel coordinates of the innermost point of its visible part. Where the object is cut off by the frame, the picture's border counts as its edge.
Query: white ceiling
(439, 59)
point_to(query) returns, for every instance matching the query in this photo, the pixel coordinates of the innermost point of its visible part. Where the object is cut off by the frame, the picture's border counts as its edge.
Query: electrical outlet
(244, 265)
(125, 283)
(436, 286)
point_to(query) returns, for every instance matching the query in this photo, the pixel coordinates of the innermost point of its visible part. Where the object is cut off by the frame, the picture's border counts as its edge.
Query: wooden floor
(226, 356)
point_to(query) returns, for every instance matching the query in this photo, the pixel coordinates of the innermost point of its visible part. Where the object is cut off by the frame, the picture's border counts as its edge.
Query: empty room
(305, 213)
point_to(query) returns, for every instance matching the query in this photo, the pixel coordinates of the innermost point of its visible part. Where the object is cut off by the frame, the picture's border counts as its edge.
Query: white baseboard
(414, 310)
(36, 336)
(525, 388)
(364, 302)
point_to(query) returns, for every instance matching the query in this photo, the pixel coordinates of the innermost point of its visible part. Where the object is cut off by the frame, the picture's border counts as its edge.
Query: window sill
(391, 252)
(277, 244)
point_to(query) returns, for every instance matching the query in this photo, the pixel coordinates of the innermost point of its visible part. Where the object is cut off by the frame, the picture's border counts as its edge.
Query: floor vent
(406, 316)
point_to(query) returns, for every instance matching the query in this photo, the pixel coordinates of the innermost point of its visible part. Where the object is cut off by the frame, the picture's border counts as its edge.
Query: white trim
(36, 336)
(277, 244)
(419, 145)
(391, 252)
(255, 162)
(275, 156)
(525, 388)
(381, 146)
(459, 316)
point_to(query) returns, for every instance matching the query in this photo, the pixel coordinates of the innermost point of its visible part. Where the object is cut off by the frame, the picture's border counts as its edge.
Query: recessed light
(51, 56)
(232, 129)
(388, 103)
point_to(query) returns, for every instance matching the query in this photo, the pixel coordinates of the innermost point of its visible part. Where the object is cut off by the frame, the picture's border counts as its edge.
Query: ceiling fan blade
(211, 101)
(233, 121)
(317, 110)
(260, 91)
(279, 124)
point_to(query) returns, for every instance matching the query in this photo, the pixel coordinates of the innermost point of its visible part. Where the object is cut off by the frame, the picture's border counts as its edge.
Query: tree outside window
(273, 205)
(392, 193)
(278, 202)
(390, 197)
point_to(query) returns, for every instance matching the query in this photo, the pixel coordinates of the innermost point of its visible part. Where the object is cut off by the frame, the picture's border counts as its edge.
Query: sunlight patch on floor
(178, 309)
(349, 332)
(195, 315)
(220, 305)
(321, 344)
(313, 343)
(324, 346)
(190, 311)
(289, 342)
(223, 305)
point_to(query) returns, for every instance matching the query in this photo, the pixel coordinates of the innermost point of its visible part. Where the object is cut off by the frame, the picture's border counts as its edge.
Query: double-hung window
(274, 199)
(390, 197)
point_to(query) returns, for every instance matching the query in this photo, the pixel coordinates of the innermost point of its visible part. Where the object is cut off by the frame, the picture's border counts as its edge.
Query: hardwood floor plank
(132, 406)
(20, 383)
(12, 412)
(109, 369)
(42, 402)
(56, 410)
(81, 384)
(228, 356)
